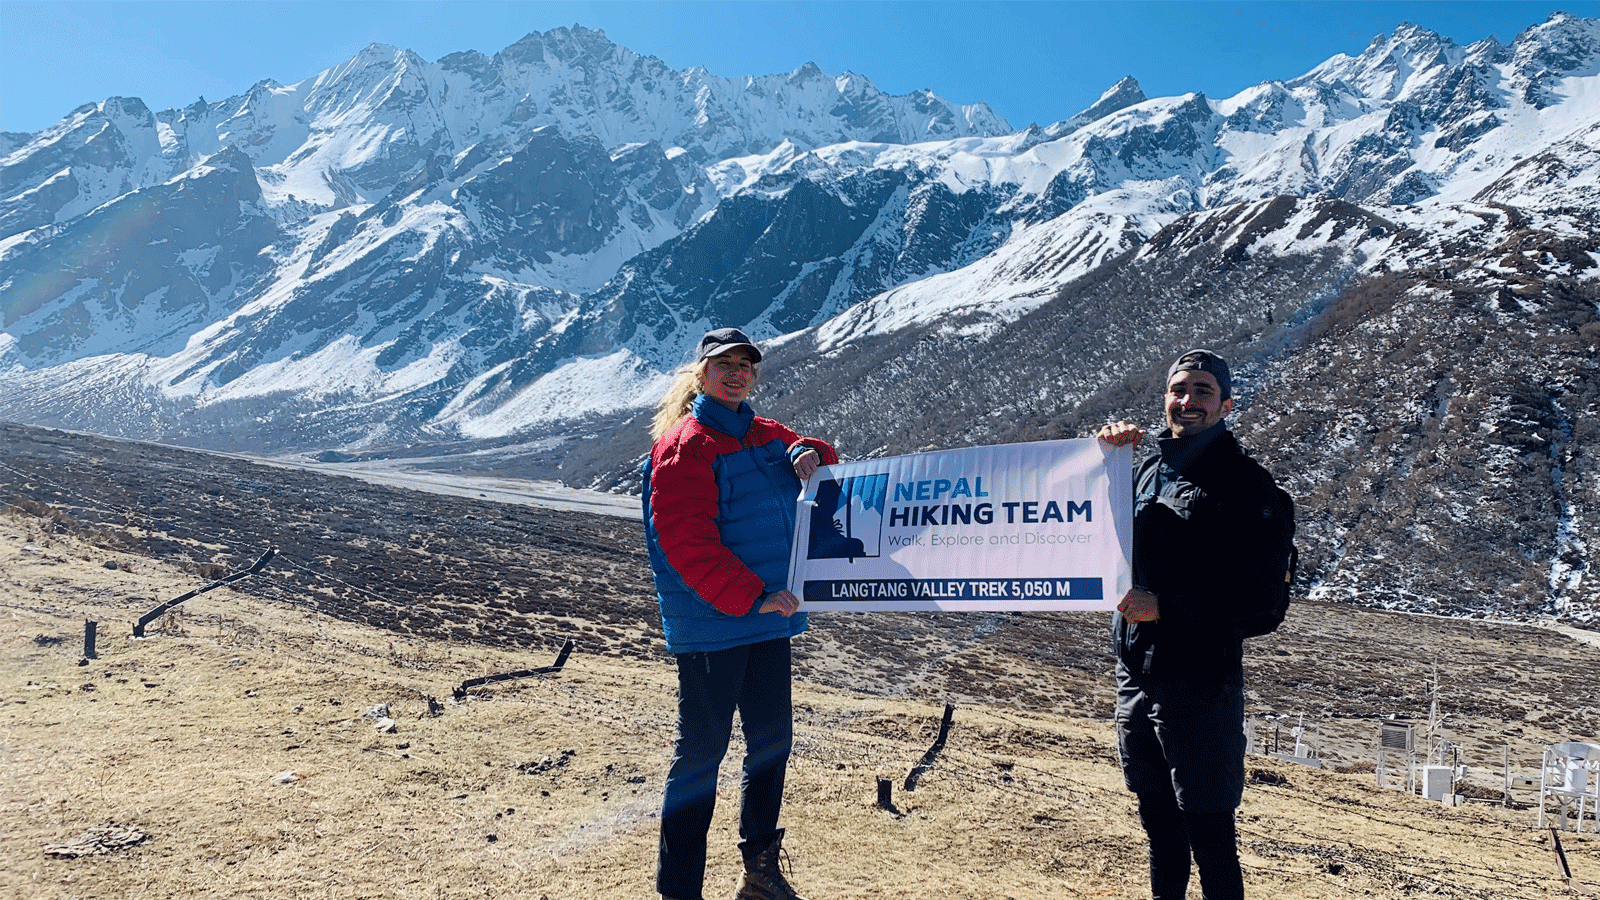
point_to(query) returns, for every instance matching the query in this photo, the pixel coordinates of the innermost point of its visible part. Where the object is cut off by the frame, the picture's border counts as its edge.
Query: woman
(719, 512)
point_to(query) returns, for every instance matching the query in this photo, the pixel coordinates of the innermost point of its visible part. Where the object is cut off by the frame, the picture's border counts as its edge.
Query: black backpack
(1266, 541)
(1273, 534)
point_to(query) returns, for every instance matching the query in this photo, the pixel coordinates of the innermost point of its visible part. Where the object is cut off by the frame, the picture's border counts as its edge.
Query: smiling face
(728, 378)
(1194, 402)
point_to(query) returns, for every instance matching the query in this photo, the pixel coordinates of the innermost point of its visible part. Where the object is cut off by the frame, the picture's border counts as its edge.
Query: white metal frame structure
(1397, 739)
(1569, 781)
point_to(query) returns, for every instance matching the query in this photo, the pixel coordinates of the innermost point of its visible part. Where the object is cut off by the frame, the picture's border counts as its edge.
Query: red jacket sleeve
(683, 506)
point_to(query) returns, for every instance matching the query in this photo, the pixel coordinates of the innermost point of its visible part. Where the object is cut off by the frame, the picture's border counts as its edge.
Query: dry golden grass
(548, 787)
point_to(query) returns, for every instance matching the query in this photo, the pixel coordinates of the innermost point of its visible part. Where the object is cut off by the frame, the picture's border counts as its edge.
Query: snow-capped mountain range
(501, 259)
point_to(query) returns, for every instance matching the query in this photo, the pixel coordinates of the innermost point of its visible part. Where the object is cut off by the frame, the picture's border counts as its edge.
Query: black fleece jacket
(1191, 502)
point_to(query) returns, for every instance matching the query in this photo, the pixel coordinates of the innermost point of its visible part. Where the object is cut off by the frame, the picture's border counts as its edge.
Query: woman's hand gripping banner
(1046, 525)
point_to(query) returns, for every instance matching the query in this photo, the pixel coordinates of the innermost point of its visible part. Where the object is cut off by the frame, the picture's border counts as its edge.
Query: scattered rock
(98, 841)
(545, 764)
(374, 713)
(111, 564)
(384, 726)
(285, 778)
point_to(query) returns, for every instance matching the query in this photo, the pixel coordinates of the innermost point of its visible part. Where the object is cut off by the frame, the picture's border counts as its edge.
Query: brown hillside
(548, 786)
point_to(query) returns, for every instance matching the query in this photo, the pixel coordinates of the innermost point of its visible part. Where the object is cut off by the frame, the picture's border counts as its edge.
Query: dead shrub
(1265, 776)
(50, 518)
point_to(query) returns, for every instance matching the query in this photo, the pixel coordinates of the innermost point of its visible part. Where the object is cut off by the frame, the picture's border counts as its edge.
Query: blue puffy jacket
(719, 495)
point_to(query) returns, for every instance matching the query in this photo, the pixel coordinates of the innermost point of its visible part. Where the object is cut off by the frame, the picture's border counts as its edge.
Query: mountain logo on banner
(848, 520)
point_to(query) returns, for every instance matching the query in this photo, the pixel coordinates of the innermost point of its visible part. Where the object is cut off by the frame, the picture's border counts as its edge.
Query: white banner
(1046, 525)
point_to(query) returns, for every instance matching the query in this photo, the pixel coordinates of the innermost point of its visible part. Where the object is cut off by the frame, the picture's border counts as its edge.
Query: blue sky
(1030, 61)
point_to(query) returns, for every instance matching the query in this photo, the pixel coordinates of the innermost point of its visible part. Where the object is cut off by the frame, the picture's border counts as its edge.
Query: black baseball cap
(720, 340)
(1205, 361)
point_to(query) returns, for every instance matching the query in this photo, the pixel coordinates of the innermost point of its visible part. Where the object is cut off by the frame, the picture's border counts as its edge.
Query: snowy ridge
(389, 160)
(517, 250)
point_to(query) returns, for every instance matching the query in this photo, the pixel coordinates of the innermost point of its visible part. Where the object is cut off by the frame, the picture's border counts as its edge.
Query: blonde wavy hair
(679, 398)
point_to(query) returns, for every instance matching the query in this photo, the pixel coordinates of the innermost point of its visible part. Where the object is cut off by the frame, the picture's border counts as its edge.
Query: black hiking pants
(753, 679)
(1182, 747)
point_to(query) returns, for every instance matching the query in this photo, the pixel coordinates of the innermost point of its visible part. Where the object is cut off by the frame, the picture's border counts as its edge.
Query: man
(1179, 647)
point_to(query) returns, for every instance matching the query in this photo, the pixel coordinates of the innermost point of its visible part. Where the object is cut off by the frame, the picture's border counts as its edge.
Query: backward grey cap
(1205, 361)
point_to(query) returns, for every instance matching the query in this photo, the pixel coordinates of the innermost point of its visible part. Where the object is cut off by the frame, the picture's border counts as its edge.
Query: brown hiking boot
(763, 875)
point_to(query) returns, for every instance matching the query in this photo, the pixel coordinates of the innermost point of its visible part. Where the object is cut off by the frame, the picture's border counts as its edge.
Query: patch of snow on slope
(731, 176)
(1034, 263)
(1293, 236)
(594, 385)
(340, 367)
